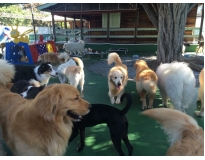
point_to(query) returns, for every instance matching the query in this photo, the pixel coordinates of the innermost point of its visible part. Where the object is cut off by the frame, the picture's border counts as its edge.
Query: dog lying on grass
(185, 135)
(115, 119)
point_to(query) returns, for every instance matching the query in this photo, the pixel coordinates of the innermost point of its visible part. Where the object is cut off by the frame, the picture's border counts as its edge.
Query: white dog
(177, 82)
(74, 61)
(76, 76)
(75, 47)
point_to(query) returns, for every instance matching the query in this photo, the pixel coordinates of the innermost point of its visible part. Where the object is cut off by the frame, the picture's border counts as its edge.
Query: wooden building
(122, 23)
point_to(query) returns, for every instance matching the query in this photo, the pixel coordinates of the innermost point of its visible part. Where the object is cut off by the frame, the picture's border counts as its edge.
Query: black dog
(115, 119)
(41, 73)
(26, 89)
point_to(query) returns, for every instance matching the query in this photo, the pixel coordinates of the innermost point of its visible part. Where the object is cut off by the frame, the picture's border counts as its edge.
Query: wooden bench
(96, 53)
(118, 50)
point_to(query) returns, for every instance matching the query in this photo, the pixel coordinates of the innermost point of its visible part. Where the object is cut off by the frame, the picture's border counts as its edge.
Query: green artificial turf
(145, 135)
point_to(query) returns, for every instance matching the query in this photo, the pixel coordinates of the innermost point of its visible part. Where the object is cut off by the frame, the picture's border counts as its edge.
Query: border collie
(27, 89)
(41, 73)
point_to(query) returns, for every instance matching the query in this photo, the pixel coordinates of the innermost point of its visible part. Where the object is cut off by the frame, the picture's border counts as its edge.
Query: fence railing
(117, 33)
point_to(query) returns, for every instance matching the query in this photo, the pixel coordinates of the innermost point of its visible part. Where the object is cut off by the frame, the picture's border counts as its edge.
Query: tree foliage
(21, 9)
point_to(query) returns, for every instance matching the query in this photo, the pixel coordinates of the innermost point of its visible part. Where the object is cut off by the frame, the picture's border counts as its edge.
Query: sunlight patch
(90, 141)
(133, 136)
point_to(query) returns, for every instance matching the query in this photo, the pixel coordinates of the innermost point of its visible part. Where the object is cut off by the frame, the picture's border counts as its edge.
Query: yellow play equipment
(20, 37)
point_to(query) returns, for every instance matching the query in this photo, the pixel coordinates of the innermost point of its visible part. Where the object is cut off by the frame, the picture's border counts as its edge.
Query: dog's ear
(135, 65)
(46, 104)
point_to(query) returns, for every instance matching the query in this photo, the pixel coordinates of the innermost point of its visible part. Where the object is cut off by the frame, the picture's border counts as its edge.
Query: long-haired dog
(185, 135)
(76, 76)
(146, 82)
(41, 73)
(27, 89)
(50, 57)
(177, 82)
(201, 93)
(74, 61)
(117, 77)
(41, 126)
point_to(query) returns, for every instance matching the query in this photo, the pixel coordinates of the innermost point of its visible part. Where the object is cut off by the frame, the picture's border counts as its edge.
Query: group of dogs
(40, 119)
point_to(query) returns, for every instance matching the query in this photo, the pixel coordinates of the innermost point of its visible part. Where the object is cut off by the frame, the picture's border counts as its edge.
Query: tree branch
(192, 5)
(151, 14)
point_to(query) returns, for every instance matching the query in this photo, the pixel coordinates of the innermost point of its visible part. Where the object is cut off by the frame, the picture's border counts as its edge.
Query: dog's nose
(56, 73)
(119, 84)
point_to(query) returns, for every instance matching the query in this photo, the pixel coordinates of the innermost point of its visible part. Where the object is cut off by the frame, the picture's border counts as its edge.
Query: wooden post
(81, 28)
(65, 26)
(53, 25)
(202, 21)
(108, 26)
(136, 24)
(74, 26)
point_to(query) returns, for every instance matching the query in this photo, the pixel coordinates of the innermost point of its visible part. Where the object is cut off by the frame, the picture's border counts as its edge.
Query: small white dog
(76, 76)
(177, 82)
(75, 47)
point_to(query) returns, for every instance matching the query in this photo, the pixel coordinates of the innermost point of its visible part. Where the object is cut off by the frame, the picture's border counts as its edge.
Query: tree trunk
(172, 22)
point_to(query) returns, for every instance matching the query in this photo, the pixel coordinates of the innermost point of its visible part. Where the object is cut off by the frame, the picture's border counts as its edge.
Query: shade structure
(58, 19)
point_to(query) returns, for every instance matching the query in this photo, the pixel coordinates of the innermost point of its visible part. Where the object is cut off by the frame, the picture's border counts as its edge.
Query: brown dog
(146, 82)
(41, 126)
(201, 93)
(50, 57)
(117, 78)
(185, 135)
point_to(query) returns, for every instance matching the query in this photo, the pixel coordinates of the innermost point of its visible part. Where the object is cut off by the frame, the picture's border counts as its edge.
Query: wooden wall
(128, 20)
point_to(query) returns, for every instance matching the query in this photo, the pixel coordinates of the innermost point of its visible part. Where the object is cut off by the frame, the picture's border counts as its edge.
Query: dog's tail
(79, 62)
(174, 122)
(114, 57)
(129, 102)
(7, 72)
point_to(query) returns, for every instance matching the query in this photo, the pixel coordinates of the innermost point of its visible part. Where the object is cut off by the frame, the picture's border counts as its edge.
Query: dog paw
(112, 101)
(199, 113)
(79, 149)
(144, 108)
(150, 107)
(118, 101)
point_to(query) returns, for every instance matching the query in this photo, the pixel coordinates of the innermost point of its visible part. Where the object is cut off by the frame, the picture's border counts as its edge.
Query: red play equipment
(15, 52)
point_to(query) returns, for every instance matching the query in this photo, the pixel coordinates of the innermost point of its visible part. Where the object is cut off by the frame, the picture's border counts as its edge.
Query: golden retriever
(201, 93)
(76, 76)
(41, 126)
(50, 57)
(185, 135)
(146, 82)
(117, 78)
